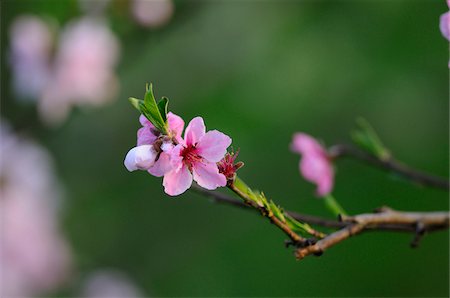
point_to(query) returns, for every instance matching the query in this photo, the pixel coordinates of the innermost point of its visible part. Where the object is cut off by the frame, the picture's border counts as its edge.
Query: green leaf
(162, 107)
(136, 102)
(151, 110)
(302, 227)
(277, 211)
(366, 137)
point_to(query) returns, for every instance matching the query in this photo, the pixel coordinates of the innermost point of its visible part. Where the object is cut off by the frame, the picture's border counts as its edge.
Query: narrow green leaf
(152, 111)
(162, 107)
(135, 102)
(277, 211)
(366, 137)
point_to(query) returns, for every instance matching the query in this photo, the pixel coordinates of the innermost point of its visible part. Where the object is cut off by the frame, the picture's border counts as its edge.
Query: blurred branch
(227, 200)
(422, 222)
(389, 164)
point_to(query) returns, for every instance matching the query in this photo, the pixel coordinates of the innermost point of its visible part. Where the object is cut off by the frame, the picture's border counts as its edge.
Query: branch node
(383, 209)
(420, 232)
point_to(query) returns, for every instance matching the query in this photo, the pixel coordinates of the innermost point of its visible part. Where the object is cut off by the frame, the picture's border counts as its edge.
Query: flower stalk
(334, 206)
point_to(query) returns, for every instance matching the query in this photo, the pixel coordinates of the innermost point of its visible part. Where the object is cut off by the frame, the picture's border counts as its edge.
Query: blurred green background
(258, 71)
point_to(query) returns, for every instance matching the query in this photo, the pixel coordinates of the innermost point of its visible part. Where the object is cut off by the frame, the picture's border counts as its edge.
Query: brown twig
(310, 219)
(390, 164)
(420, 221)
(385, 219)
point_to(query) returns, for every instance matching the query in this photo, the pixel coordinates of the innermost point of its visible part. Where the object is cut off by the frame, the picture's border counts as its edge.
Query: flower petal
(140, 158)
(176, 160)
(177, 181)
(318, 170)
(305, 144)
(161, 166)
(144, 121)
(194, 131)
(176, 124)
(207, 175)
(213, 145)
(444, 25)
(145, 136)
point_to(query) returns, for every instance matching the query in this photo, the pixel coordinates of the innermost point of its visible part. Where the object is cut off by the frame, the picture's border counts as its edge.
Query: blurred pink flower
(445, 25)
(109, 283)
(152, 13)
(30, 48)
(34, 258)
(83, 71)
(315, 165)
(196, 157)
(152, 151)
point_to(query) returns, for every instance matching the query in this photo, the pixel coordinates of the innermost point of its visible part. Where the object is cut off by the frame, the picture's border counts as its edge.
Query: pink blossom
(315, 165)
(196, 158)
(444, 25)
(31, 43)
(107, 283)
(140, 158)
(152, 150)
(34, 257)
(152, 13)
(83, 70)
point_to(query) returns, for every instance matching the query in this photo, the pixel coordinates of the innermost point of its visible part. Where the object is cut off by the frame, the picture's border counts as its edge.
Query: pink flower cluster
(78, 71)
(315, 165)
(35, 258)
(180, 160)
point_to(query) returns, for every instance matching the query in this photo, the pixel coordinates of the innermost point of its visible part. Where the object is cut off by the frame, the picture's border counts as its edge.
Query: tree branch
(310, 219)
(389, 164)
(385, 219)
(420, 221)
(228, 200)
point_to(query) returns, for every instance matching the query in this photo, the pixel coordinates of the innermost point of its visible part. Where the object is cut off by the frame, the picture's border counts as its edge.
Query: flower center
(190, 156)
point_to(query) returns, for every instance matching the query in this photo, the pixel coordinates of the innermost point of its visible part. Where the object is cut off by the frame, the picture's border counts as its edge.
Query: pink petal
(305, 144)
(176, 160)
(176, 124)
(444, 25)
(194, 131)
(207, 175)
(318, 170)
(140, 158)
(145, 136)
(177, 181)
(144, 121)
(325, 185)
(161, 166)
(213, 145)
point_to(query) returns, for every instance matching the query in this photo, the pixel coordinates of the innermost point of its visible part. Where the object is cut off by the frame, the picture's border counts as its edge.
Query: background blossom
(83, 70)
(31, 43)
(109, 283)
(34, 256)
(315, 165)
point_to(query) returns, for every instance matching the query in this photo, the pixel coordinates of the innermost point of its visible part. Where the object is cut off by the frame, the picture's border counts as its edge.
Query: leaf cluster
(155, 112)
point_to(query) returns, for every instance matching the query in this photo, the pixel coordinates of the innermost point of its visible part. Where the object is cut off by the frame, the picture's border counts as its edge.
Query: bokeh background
(258, 71)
